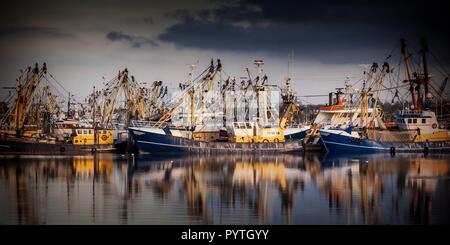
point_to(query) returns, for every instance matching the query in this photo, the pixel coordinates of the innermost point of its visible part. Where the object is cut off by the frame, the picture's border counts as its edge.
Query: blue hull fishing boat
(203, 118)
(416, 126)
(343, 141)
(171, 141)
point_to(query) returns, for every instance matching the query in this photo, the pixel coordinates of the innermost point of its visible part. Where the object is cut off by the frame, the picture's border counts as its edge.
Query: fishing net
(391, 136)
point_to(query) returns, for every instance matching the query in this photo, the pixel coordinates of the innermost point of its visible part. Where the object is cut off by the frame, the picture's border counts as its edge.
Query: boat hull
(18, 147)
(296, 134)
(338, 142)
(161, 141)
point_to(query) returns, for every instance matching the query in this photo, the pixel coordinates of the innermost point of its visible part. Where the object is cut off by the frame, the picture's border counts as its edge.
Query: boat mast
(209, 78)
(425, 80)
(223, 95)
(374, 107)
(408, 71)
(364, 97)
(258, 89)
(93, 117)
(192, 96)
(233, 88)
(224, 101)
(25, 95)
(177, 101)
(68, 107)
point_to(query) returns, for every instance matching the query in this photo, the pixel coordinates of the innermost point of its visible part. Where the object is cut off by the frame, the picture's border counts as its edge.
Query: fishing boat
(78, 144)
(418, 128)
(340, 112)
(29, 126)
(167, 140)
(259, 135)
(290, 109)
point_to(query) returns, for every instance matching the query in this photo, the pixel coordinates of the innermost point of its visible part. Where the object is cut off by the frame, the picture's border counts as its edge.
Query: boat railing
(147, 124)
(155, 124)
(409, 112)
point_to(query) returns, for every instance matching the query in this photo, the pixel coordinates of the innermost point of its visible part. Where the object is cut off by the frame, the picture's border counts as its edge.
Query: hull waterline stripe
(382, 148)
(358, 146)
(231, 149)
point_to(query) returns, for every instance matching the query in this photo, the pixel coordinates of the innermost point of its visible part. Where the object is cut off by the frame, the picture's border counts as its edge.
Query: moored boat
(213, 128)
(32, 146)
(348, 141)
(32, 126)
(416, 128)
(170, 140)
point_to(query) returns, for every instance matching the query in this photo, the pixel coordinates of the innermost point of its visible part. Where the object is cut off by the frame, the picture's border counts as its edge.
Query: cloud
(134, 41)
(327, 31)
(117, 36)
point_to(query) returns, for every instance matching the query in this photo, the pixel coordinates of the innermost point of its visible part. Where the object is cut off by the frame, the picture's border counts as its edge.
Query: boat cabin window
(415, 120)
(409, 120)
(424, 120)
(84, 131)
(79, 131)
(248, 125)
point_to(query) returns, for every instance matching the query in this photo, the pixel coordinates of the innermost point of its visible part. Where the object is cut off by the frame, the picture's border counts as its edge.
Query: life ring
(104, 137)
(434, 125)
(266, 141)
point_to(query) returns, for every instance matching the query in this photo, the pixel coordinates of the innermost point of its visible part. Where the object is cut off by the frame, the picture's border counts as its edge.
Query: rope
(57, 82)
(440, 64)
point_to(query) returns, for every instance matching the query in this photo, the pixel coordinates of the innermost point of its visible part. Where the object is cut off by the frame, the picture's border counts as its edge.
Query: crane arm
(25, 95)
(209, 77)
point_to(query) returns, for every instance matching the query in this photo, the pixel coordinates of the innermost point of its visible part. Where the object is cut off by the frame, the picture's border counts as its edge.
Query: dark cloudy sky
(83, 41)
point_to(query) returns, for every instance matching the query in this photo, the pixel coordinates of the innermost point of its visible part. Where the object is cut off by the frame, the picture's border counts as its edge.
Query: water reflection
(281, 189)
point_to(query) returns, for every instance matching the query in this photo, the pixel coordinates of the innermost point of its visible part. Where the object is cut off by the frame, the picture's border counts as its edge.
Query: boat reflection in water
(280, 189)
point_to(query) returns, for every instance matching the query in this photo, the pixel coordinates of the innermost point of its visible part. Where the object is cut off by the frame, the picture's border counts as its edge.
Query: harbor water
(245, 189)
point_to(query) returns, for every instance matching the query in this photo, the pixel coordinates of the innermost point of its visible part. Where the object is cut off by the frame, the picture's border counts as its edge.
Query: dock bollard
(425, 150)
(392, 150)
